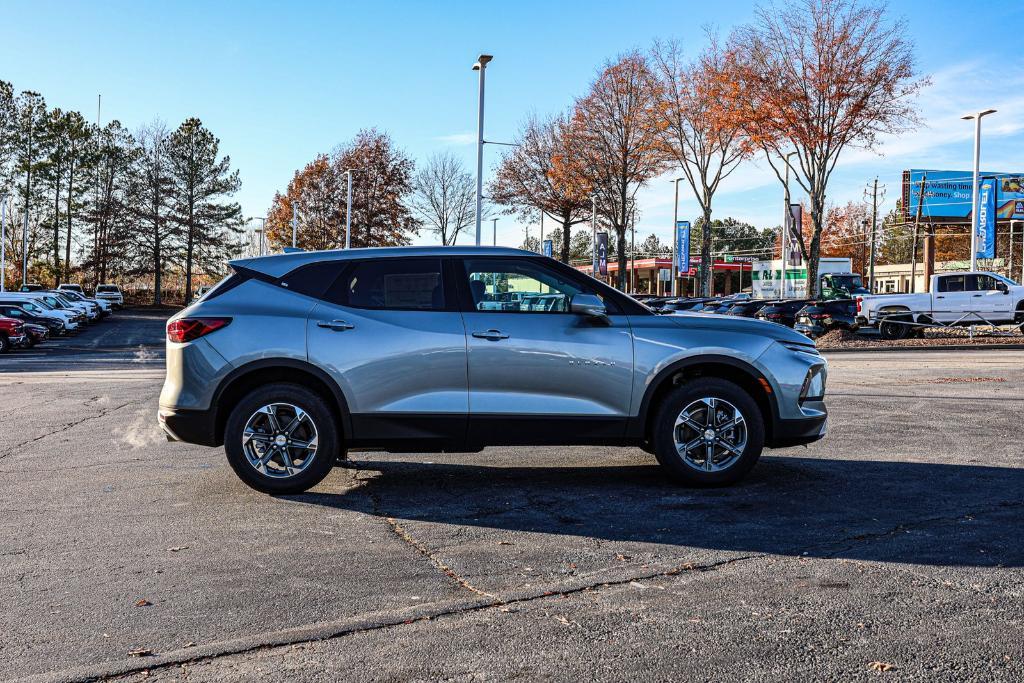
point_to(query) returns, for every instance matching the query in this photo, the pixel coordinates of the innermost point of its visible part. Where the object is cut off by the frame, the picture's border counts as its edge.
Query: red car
(12, 333)
(35, 334)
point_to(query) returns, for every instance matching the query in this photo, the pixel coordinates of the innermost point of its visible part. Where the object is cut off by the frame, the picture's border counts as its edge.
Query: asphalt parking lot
(890, 549)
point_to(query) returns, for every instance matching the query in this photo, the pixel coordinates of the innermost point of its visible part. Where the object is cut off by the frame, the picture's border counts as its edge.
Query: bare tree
(699, 135)
(444, 197)
(541, 173)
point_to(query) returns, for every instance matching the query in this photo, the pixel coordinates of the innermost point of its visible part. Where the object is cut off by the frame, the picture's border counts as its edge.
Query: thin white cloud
(458, 139)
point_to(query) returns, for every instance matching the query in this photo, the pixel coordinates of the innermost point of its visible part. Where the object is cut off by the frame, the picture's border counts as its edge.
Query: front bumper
(798, 432)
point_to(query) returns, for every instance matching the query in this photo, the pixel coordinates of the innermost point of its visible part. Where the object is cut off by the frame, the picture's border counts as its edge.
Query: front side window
(518, 286)
(391, 284)
(984, 283)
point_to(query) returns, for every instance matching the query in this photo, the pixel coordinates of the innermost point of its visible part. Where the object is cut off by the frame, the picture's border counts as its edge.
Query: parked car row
(810, 317)
(34, 314)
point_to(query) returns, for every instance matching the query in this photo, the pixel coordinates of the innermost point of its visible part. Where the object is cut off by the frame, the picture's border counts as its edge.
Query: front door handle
(491, 335)
(335, 325)
(976, 295)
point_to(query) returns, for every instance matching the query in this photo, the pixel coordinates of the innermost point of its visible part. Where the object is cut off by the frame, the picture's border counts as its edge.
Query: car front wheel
(281, 439)
(708, 432)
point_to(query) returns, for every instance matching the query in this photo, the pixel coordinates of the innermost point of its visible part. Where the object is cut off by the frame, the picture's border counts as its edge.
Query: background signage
(987, 218)
(683, 246)
(548, 248)
(792, 247)
(947, 195)
(602, 253)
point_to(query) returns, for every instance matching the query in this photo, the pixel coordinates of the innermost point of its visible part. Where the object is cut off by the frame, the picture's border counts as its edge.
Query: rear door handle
(492, 335)
(977, 295)
(335, 325)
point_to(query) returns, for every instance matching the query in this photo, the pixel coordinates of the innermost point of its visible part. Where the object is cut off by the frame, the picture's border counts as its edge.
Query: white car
(33, 303)
(110, 293)
(969, 298)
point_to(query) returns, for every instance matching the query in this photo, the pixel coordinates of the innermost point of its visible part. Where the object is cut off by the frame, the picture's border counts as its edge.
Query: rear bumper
(191, 426)
(798, 432)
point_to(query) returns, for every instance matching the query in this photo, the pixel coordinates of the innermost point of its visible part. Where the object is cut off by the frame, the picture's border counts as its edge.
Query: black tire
(890, 330)
(663, 432)
(328, 441)
(5, 345)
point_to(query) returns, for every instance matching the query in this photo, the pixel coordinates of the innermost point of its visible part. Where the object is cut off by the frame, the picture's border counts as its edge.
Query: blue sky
(281, 82)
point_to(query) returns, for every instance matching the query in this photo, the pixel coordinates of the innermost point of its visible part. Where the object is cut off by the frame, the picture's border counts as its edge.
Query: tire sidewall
(328, 438)
(679, 398)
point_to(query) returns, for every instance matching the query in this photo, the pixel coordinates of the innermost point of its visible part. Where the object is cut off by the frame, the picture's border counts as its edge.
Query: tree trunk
(620, 233)
(705, 255)
(566, 236)
(157, 274)
(817, 220)
(67, 233)
(56, 228)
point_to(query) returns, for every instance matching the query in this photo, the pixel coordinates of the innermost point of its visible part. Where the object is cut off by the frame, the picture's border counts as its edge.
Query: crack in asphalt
(194, 655)
(64, 428)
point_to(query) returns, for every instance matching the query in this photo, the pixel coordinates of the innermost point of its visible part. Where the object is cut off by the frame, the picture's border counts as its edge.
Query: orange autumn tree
(542, 173)
(815, 77)
(616, 133)
(317, 192)
(697, 132)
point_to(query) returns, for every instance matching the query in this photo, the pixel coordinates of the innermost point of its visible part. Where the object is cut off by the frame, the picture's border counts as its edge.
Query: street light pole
(787, 216)
(3, 242)
(593, 240)
(675, 237)
(975, 225)
(348, 211)
(541, 243)
(481, 66)
(295, 222)
(494, 228)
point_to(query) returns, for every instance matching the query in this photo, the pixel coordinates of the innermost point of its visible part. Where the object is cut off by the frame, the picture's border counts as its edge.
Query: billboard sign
(548, 248)
(987, 218)
(683, 246)
(947, 195)
(602, 253)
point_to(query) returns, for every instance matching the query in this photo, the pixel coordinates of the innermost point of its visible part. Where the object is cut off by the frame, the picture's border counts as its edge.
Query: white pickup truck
(955, 298)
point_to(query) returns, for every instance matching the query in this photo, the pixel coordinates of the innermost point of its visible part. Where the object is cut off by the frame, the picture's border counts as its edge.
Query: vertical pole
(1009, 270)
(632, 252)
(917, 222)
(495, 229)
(480, 153)
(593, 238)
(3, 242)
(874, 228)
(348, 212)
(675, 237)
(786, 218)
(974, 192)
(295, 222)
(541, 231)
(28, 195)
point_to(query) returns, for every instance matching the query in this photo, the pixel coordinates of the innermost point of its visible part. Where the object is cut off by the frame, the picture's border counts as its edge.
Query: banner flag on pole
(548, 248)
(602, 253)
(683, 247)
(987, 218)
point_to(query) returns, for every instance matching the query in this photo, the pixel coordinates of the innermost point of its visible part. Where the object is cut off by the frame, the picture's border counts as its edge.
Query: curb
(949, 347)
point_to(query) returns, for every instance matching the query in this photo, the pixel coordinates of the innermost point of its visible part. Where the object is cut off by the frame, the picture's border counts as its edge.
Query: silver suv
(294, 359)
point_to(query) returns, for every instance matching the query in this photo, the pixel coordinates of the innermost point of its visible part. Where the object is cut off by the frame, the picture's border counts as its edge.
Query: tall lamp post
(494, 228)
(974, 190)
(787, 216)
(675, 238)
(3, 242)
(261, 232)
(348, 211)
(481, 66)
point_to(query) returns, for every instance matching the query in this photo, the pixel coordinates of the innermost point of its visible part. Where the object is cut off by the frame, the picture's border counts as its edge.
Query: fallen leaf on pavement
(178, 548)
(143, 603)
(881, 666)
(141, 652)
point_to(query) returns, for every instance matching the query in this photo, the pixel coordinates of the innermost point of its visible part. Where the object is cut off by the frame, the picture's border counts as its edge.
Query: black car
(819, 317)
(54, 326)
(783, 312)
(748, 309)
(695, 305)
(721, 306)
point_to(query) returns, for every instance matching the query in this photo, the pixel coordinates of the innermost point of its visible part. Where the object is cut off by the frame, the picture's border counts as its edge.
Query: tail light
(860, 301)
(189, 329)
(817, 316)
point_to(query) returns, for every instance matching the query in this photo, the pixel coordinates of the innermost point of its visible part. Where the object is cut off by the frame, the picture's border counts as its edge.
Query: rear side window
(953, 283)
(414, 284)
(313, 279)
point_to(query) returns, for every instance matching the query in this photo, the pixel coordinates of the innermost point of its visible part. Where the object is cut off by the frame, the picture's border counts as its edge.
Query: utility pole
(787, 216)
(917, 221)
(593, 239)
(494, 227)
(874, 231)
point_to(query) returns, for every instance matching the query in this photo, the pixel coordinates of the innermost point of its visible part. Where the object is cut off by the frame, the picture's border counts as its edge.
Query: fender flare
(295, 364)
(703, 359)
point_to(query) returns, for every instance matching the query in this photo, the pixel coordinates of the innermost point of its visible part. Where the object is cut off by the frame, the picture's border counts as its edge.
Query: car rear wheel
(281, 439)
(4, 344)
(708, 432)
(892, 327)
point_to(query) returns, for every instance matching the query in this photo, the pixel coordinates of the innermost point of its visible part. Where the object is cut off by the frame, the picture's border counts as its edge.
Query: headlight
(814, 384)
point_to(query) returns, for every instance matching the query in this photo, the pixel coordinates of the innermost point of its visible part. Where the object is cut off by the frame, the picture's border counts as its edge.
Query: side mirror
(1001, 286)
(588, 305)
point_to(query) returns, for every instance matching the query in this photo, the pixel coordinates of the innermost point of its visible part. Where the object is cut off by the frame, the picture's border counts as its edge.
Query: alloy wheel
(280, 440)
(710, 434)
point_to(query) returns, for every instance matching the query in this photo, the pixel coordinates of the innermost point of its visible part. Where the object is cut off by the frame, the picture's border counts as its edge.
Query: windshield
(107, 288)
(851, 283)
(52, 300)
(1004, 279)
